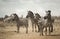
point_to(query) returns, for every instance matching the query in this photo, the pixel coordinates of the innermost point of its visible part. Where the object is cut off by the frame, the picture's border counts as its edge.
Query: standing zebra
(34, 20)
(19, 23)
(31, 16)
(46, 22)
(49, 21)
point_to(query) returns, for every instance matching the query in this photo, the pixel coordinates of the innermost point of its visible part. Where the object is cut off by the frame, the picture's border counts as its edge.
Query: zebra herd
(41, 22)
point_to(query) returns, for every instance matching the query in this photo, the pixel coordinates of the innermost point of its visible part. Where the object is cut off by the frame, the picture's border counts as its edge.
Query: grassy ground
(9, 32)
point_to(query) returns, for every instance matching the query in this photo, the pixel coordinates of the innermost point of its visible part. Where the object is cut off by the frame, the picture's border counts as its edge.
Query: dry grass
(9, 32)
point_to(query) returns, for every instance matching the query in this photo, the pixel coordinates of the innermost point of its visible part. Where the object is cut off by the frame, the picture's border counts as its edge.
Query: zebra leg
(26, 30)
(51, 28)
(17, 29)
(38, 28)
(42, 28)
(45, 30)
(41, 31)
(32, 28)
(35, 28)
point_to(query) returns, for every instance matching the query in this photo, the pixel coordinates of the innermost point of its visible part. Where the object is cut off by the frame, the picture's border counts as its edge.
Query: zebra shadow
(54, 35)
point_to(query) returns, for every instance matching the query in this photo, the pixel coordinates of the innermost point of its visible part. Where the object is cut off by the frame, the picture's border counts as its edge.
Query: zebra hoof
(35, 30)
(41, 35)
(26, 32)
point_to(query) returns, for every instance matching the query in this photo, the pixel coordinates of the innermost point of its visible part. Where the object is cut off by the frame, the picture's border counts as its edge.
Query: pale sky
(21, 7)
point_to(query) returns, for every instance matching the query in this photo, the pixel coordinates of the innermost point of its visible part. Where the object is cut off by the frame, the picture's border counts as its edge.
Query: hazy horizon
(21, 7)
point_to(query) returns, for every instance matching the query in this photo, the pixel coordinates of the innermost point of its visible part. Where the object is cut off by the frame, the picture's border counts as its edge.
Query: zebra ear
(45, 17)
